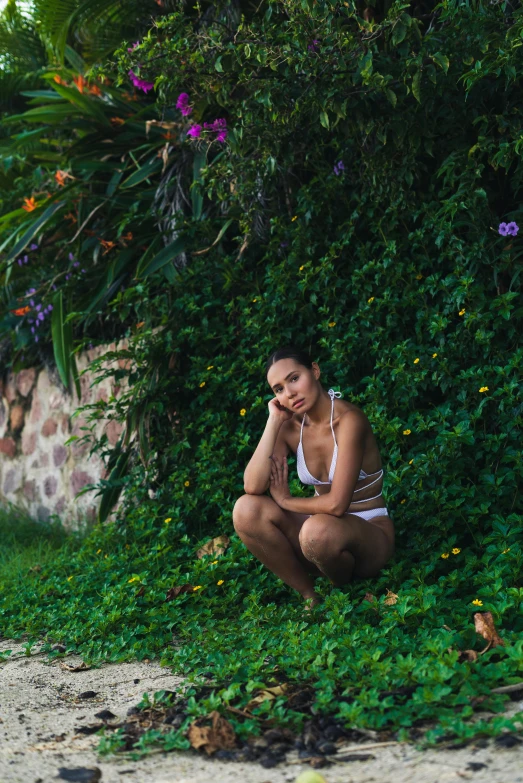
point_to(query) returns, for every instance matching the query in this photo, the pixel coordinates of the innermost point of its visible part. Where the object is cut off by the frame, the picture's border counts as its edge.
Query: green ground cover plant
(356, 202)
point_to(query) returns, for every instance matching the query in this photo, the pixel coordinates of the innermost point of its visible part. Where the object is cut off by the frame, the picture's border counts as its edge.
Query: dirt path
(40, 706)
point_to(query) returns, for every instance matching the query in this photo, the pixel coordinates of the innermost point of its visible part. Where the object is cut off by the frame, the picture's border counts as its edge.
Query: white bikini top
(303, 472)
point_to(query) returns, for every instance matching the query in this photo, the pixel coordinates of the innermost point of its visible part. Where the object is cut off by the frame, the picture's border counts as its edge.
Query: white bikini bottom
(370, 514)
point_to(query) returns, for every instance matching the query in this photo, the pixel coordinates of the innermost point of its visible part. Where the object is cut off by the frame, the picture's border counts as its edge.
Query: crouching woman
(344, 530)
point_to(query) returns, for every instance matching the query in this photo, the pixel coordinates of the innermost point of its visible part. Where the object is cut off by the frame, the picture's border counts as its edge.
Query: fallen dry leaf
(266, 694)
(391, 598)
(467, 655)
(174, 591)
(219, 736)
(80, 667)
(215, 546)
(369, 597)
(484, 625)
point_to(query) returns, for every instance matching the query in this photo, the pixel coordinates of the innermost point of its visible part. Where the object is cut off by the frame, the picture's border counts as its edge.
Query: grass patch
(370, 663)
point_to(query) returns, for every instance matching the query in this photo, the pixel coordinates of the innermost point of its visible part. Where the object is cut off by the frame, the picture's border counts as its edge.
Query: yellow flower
(477, 602)
(445, 555)
(105, 555)
(254, 300)
(416, 361)
(198, 587)
(331, 324)
(302, 267)
(370, 300)
(166, 521)
(456, 551)
(434, 355)
(69, 578)
(403, 501)
(419, 277)
(134, 579)
(219, 582)
(186, 483)
(202, 384)
(462, 312)
(214, 562)
(243, 412)
(294, 218)
(505, 551)
(406, 432)
(483, 389)
(210, 367)
(411, 461)
(98, 551)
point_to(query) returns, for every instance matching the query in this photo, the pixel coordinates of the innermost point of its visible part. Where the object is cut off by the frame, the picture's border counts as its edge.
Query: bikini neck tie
(332, 394)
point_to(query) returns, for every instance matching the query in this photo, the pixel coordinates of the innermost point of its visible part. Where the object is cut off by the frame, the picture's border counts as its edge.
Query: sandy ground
(40, 707)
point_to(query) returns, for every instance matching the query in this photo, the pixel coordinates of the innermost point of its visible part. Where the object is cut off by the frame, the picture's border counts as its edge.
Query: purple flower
(67, 277)
(41, 316)
(502, 229)
(32, 302)
(26, 258)
(140, 84)
(33, 247)
(313, 47)
(50, 307)
(194, 131)
(36, 338)
(512, 228)
(133, 46)
(182, 103)
(71, 257)
(218, 126)
(76, 263)
(53, 287)
(339, 167)
(83, 271)
(19, 262)
(38, 306)
(283, 244)
(32, 329)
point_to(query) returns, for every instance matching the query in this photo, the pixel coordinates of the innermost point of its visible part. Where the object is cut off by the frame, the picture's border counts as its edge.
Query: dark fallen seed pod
(327, 748)
(268, 761)
(61, 648)
(88, 695)
(475, 766)
(105, 715)
(273, 735)
(333, 733)
(136, 680)
(356, 757)
(133, 711)
(224, 755)
(507, 741)
(88, 729)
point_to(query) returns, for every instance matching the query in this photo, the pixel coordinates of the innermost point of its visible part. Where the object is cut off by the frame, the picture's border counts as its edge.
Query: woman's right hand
(278, 412)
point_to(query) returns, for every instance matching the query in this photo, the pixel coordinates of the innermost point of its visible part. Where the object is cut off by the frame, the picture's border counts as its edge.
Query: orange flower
(169, 136)
(80, 82)
(127, 237)
(108, 245)
(70, 217)
(59, 80)
(94, 90)
(30, 204)
(61, 176)
(139, 325)
(117, 120)
(21, 310)
(89, 232)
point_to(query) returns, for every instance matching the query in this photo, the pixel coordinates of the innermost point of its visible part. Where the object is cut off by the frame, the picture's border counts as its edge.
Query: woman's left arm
(351, 440)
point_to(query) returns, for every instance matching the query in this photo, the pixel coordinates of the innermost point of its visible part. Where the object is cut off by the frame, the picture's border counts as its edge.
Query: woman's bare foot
(311, 602)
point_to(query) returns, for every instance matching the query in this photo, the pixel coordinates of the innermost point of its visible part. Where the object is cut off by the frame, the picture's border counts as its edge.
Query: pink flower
(133, 46)
(182, 104)
(219, 127)
(140, 84)
(194, 131)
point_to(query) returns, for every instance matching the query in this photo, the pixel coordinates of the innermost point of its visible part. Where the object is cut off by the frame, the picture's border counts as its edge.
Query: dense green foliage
(390, 269)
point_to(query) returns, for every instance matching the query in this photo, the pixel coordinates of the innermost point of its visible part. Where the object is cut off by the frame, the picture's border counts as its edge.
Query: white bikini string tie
(332, 394)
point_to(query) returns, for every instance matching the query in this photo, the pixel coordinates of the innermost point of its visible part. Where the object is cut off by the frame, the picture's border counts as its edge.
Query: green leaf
(164, 256)
(218, 64)
(145, 171)
(442, 60)
(62, 339)
(85, 103)
(33, 229)
(196, 194)
(416, 86)
(110, 494)
(391, 96)
(324, 119)
(399, 33)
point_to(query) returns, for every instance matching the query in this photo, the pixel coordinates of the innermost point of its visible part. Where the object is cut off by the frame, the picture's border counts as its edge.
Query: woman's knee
(317, 538)
(247, 509)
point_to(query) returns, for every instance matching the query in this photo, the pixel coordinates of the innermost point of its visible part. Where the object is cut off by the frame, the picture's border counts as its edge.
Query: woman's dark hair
(289, 352)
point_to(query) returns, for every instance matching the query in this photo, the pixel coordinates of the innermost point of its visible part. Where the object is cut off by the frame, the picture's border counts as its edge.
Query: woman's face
(293, 383)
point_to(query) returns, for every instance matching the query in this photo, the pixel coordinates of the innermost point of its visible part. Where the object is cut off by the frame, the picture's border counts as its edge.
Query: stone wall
(39, 471)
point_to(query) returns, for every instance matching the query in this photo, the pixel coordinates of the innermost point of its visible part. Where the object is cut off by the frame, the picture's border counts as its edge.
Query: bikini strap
(332, 394)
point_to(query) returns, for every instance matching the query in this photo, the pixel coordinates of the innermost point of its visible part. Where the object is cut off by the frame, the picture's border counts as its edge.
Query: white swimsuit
(306, 478)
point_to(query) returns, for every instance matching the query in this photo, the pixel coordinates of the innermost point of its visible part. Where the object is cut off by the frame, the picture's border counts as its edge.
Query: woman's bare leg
(343, 547)
(272, 535)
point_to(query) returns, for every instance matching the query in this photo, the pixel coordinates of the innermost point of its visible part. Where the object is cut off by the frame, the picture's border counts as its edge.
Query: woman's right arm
(258, 471)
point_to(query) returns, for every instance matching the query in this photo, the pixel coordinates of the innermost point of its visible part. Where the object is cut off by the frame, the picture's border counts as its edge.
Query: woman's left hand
(279, 481)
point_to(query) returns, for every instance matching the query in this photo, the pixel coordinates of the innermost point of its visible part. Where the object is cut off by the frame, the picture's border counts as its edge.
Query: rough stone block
(79, 479)
(50, 486)
(25, 381)
(12, 481)
(57, 401)
(30, 490)
(44, 460)
(49, 427)
(60, 506)
(3, 418)
(42, 514)
(36, 405)
(16, 418)
(10, 388)
(7, 447)
(113, 430)
(59, 455)
(65, 424)
(28, 442)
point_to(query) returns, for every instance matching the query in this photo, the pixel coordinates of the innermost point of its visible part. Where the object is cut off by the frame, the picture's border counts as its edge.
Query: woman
(344, 530)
